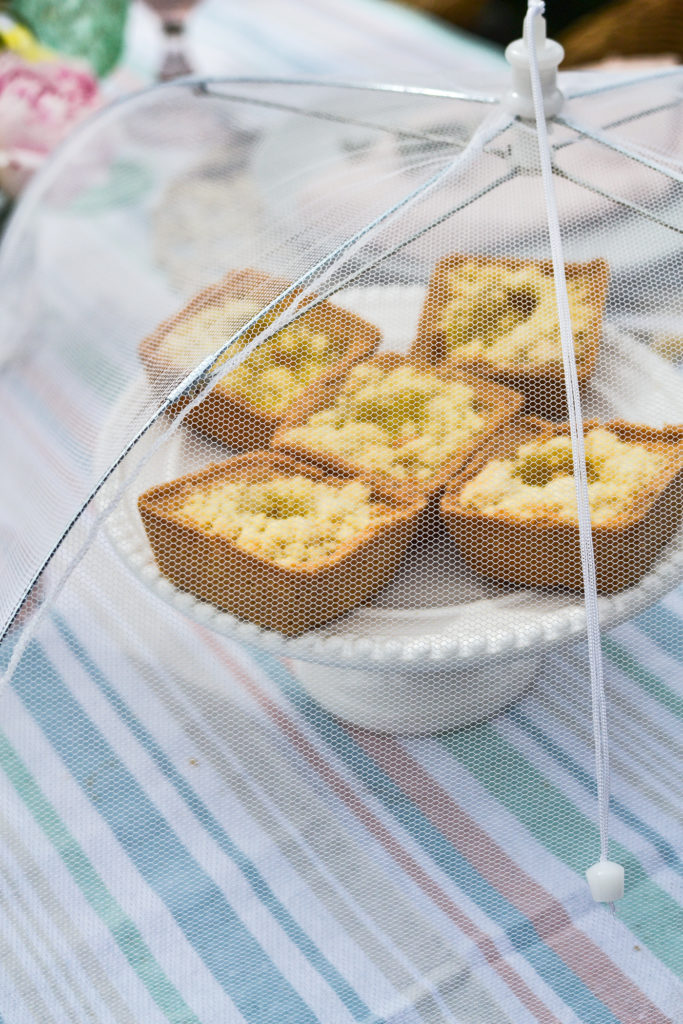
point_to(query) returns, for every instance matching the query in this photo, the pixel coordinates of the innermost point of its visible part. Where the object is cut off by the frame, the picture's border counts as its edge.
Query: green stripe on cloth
(648, 681)
(124, 931)
(196, 902)
(261, 889)
(664, 627)
(555, 822)
(586, 779)
(61, 924)
(467, 876)
(338, 868)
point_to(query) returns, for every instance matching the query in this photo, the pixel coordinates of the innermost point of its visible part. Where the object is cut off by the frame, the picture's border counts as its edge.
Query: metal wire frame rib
(622, 120)
(598, 137)
(416, 90)
(616, 147)
(620, 201)
(408, 90)
(440, 93)
(657, 109)
(325, 115)
(213, 368)
(44, 177)
(46, 174)
(625, 83)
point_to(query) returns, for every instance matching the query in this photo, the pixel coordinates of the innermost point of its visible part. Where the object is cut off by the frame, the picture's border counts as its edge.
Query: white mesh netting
(297, 720)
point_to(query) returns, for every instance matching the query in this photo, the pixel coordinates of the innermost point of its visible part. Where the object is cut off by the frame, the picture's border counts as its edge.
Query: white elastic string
(599, 705)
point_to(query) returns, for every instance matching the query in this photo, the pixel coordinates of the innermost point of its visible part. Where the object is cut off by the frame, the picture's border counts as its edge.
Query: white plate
(436, 621)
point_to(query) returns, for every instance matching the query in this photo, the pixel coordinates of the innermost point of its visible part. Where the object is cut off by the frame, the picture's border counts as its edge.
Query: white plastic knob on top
(606, 881)
(549, 54)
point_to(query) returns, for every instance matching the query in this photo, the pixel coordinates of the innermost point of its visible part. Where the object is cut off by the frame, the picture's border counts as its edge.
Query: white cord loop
(535, 10)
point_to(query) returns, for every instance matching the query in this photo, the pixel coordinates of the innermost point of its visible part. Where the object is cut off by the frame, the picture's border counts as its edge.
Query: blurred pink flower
(39, 104)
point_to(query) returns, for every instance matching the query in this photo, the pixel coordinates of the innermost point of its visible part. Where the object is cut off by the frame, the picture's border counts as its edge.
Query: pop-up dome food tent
(343, 459)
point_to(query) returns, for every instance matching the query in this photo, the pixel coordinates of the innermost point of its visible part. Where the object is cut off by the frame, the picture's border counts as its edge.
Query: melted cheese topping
(276, 373)
(288, 520)
(402, 422)
(539, 482)
(510, 316)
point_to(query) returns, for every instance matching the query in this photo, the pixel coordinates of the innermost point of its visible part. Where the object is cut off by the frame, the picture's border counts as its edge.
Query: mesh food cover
(342, 469)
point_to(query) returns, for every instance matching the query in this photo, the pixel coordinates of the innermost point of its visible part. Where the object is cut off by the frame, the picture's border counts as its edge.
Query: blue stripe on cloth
(518, 928)
(305, 944)
(664, 627)
(124, 932)
(587, 781)
(194, 900)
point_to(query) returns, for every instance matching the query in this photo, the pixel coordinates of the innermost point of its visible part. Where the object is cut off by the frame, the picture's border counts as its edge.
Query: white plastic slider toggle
(606, 881)
(518, 100)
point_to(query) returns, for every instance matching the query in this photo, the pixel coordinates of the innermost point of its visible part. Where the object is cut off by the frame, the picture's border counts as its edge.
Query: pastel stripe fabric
(208, 845)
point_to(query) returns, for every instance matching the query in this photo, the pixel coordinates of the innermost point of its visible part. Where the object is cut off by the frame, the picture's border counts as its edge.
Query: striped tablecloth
(186, 837)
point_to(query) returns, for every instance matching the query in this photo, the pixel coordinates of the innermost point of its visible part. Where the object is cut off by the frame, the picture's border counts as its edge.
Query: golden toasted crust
(541, 383)
(495, 403)
(544, 551)
(225, 414)
(289, 599)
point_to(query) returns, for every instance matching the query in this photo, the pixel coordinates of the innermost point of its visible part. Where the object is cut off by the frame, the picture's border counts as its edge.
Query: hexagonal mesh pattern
(297, 710)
